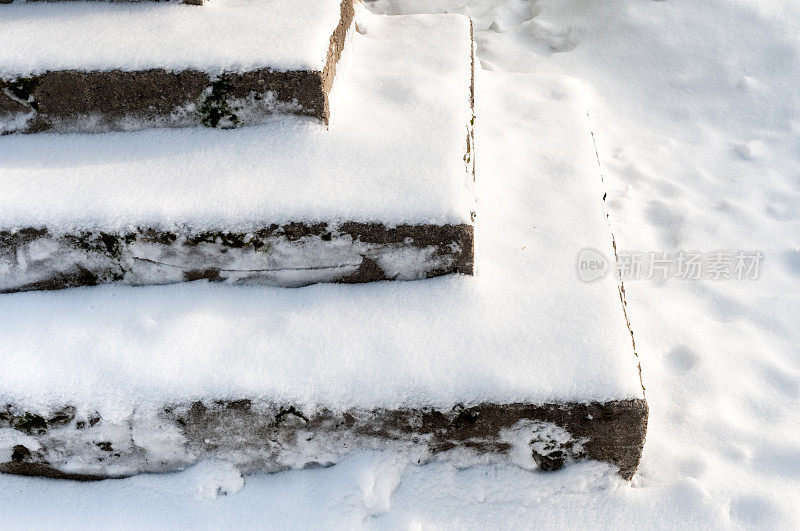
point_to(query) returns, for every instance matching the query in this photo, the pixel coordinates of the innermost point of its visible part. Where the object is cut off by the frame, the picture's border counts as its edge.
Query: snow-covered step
(190, 2)
(522, 362)
(385, 193)
(99, 66)
(263, 436)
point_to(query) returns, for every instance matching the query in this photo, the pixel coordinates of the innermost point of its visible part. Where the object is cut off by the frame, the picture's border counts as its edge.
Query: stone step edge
(190, 2)
(99, 101)
(289, 255)
(261, 437)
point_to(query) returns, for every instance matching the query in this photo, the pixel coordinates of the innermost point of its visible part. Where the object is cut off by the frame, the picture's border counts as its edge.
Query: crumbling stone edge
(266, 437)
(290, 255)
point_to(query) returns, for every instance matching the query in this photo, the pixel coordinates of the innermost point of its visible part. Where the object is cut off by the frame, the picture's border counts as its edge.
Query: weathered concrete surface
(97, 101)
(190, 2)
(267, 437)
(290, 255)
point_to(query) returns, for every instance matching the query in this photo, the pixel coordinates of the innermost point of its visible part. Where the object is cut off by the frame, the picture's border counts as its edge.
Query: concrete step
(287, 203)
(288, 255)
(190, 2)
(525, 362)
(267, 437)
(93, 67)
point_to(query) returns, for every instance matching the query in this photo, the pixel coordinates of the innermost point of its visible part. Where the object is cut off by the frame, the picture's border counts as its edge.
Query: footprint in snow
(749, 150)
(681, 359)
(791, 262)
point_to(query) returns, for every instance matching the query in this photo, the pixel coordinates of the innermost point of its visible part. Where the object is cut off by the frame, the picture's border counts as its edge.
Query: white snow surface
(525, 329)
(230, 35)
(695, 109)
(393, 154)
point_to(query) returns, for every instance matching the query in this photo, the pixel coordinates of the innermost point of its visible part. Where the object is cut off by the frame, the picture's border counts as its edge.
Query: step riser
(190, 2)
(271, 438)
(70, 101)
(289, 255)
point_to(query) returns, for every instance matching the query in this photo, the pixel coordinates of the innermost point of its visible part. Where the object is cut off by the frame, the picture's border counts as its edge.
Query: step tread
(225, 34)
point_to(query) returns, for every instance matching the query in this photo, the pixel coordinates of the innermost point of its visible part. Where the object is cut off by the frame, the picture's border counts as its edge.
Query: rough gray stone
(267, 437)
(291, 255)
(190, 2)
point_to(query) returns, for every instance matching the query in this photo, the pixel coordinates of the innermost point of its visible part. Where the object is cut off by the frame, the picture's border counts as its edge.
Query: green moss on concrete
(215, 110)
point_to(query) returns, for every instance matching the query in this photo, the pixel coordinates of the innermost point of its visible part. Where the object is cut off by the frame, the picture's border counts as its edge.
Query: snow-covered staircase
(521, 362)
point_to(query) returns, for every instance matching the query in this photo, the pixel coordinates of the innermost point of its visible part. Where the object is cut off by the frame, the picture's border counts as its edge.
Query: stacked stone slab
(104, 99)
(190, 2)
(51, 248)
(263, 437)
